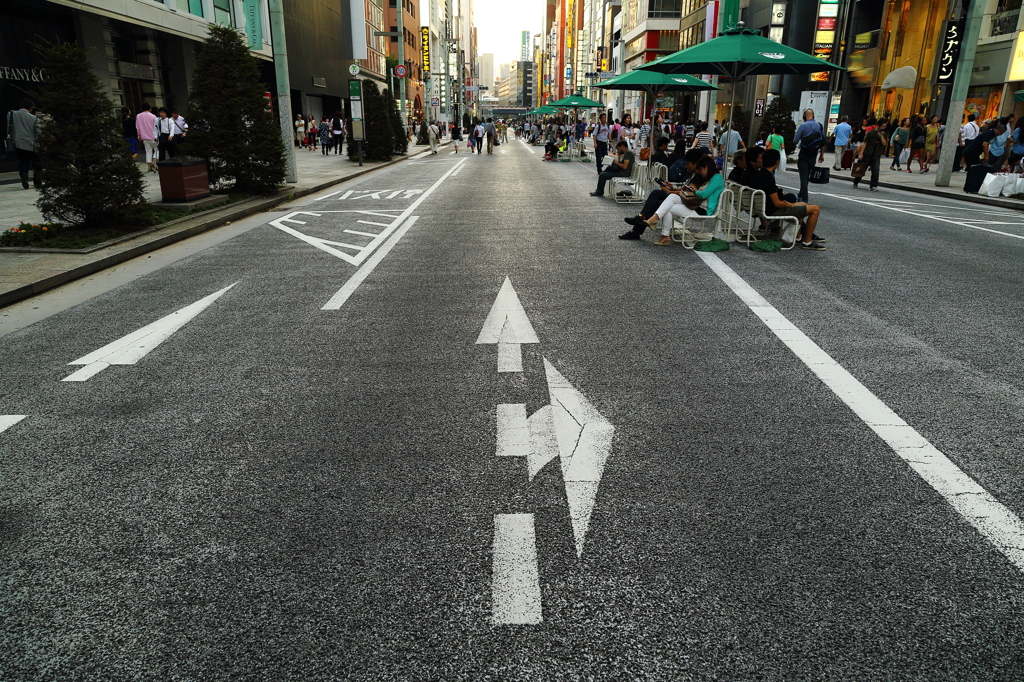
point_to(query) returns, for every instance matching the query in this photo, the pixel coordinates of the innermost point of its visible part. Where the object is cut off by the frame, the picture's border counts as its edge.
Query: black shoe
(593, 194)
(629, 235)
(24, 183)
(813, 246)
(818, 238)
(636, 221)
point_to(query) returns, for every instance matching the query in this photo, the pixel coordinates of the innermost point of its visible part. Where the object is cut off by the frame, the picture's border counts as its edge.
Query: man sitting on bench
(775, 205)
(621, 167)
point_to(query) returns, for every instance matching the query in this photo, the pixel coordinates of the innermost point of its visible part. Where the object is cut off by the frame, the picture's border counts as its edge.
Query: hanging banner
(425, 47)
(949, 57)
(253, 24)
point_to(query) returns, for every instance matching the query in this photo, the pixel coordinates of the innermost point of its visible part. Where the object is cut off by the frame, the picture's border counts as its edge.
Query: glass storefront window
(222, 12)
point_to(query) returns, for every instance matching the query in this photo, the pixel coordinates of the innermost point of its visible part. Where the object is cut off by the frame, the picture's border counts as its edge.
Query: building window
(691, 36)
(222, 12)
(195, 7)
(692, 6)
(665, 9)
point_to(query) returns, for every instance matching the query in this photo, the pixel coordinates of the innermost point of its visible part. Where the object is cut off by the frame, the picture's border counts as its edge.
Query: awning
(1018, 96)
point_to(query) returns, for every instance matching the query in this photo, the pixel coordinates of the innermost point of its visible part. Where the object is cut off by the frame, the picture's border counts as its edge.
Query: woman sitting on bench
(711, 186)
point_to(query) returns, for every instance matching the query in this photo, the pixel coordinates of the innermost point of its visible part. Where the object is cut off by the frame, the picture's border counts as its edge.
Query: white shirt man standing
(22, 128)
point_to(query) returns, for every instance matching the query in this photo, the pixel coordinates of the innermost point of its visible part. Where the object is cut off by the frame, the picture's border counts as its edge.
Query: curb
(972, 198)
(208, 221)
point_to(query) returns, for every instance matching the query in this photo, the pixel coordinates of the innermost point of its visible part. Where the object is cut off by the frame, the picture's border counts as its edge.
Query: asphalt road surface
(439, 423)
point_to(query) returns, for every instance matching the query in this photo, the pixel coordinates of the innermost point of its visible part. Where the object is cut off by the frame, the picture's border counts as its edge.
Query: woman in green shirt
(710, 190)
(777, 142)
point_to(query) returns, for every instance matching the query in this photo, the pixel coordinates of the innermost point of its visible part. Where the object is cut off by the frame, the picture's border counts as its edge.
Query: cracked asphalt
(281, 492)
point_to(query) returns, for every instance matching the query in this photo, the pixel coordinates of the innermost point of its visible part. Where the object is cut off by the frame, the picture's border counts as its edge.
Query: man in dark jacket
(871, 151)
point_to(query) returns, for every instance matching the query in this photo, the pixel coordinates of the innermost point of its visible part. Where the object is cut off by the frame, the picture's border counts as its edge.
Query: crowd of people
(327, 134)
(155, 135)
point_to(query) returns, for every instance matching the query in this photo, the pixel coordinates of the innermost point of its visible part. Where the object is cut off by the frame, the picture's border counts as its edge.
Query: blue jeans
(805, 163)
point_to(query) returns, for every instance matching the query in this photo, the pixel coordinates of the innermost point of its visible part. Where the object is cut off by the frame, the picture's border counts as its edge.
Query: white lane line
(513, 431)
(361, 234)
(363, 272)
(992, 519)
(368, 222)
(9, 420)
(131, 348)
(527, 147)
(919, 214)
(328, 196)
(515, 595)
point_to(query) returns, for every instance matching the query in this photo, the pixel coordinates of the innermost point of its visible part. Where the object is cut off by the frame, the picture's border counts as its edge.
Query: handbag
(690, 200)
(860, 169)
(819, 175)
(645, 153)
(904, 157)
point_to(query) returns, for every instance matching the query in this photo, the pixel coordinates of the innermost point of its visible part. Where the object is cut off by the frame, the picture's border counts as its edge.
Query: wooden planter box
(183, 179)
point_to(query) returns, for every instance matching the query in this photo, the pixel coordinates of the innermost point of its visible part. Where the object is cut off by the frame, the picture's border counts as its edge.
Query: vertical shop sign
(949, 57)
(425, 48)
(825, 36)
(253, 24)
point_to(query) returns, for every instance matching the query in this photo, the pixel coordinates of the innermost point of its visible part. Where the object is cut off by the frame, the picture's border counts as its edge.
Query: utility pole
(446, 91)
(961, 83)
(284, 102)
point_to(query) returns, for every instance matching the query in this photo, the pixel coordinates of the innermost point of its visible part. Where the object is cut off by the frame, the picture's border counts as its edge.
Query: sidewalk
(916, 182)
(25, 273)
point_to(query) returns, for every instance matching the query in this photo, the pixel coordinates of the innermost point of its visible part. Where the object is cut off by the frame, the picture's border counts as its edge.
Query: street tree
(779, 113)
(231, 124)
(397, 128)
(90, 178)
(380, 138)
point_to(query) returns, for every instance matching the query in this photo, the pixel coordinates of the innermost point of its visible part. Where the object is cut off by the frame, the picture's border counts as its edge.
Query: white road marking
(344, 196)
(507, 326)
(543, 441)
(9, 420)
(353, 283)
(992, 519)
(515, 582)
(527, 147)
(584, 443)
(361, 234)
(513, 431)
(930, 214)
(370, 222)
(362, 273)
(131, 348)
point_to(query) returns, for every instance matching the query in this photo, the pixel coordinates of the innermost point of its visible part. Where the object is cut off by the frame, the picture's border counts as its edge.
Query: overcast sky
(500, 24)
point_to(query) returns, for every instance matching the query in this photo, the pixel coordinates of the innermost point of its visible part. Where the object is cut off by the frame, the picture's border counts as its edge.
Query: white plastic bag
(1019, 189)
(1010, 184)
(992, 185)
(904, 157)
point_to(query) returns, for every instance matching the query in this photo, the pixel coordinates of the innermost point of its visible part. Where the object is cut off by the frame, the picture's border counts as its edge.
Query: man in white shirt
(432, 135)
(601, 132)
(480, 135)
(178, 128)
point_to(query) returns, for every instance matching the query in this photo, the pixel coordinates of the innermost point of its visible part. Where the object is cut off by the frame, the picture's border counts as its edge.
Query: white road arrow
(508, 326)
(131, 348)
(9, 420)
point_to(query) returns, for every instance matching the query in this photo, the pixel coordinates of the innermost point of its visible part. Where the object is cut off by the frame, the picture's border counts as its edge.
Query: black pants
(600, 151)
(27, 159)
(971, 156)
(162, 145)
(605, 177)
(873, 166)
(958, 157)
(172, 146)
(338, 140)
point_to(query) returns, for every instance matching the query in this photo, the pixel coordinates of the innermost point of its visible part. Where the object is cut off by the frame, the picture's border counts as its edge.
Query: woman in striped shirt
(704, 139)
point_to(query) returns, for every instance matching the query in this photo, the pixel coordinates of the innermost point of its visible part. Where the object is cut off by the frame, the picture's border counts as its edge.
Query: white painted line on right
(515, 581)
(991, 518)
(9, 420)
(527, 147)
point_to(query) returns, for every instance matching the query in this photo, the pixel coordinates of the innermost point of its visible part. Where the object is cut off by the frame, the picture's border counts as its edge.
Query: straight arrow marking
(508, 326)
(9, 420)
(515, 580)
(131, 348)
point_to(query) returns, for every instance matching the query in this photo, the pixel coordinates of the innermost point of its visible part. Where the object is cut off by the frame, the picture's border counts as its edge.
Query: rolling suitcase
(847, 161)
(976, 176)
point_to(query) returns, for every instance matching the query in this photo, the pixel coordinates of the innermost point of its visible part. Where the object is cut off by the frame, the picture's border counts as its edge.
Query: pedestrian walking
(312, 129)
(432, 135)
(131, 136)
(931, 141)
(810, 141)
(146, 125)
(841, 141)
(478, 135)
(456, 133)
(777, 142)
(324, 133)
(163, 130)
(917, 142)
(300, 130)
(490, 133)
(899, 139)
(23, 131)
(178, 129)
(871, 153)
(337, 131)
(601, 133)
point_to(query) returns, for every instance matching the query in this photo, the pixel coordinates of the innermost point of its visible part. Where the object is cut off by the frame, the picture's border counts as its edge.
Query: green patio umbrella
(576, 102)
(736, 54)
(653, 82)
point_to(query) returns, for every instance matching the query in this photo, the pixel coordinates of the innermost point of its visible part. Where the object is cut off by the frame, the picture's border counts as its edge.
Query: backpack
(815, 144)
(677, 172)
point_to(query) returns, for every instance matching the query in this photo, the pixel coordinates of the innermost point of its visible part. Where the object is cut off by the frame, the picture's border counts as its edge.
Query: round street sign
(401, 71)
(353, 69)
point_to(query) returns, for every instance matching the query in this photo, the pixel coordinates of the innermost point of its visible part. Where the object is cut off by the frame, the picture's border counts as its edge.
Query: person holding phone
(710, 182)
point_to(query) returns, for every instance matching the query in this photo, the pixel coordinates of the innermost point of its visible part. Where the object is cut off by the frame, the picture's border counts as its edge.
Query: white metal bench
(701, 228)
(787, 224)
(630, 190)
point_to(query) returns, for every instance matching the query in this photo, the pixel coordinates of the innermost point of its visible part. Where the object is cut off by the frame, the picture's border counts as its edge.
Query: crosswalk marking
(9, 420)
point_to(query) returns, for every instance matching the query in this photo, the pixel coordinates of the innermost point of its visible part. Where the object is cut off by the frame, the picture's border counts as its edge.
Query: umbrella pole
(728, 131)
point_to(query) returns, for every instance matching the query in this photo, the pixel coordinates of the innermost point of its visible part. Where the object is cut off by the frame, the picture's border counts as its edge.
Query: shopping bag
(1010, 184)
(992, 185)
(860, 169)
(819, 175)
(904, 157)
(1019, 186)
